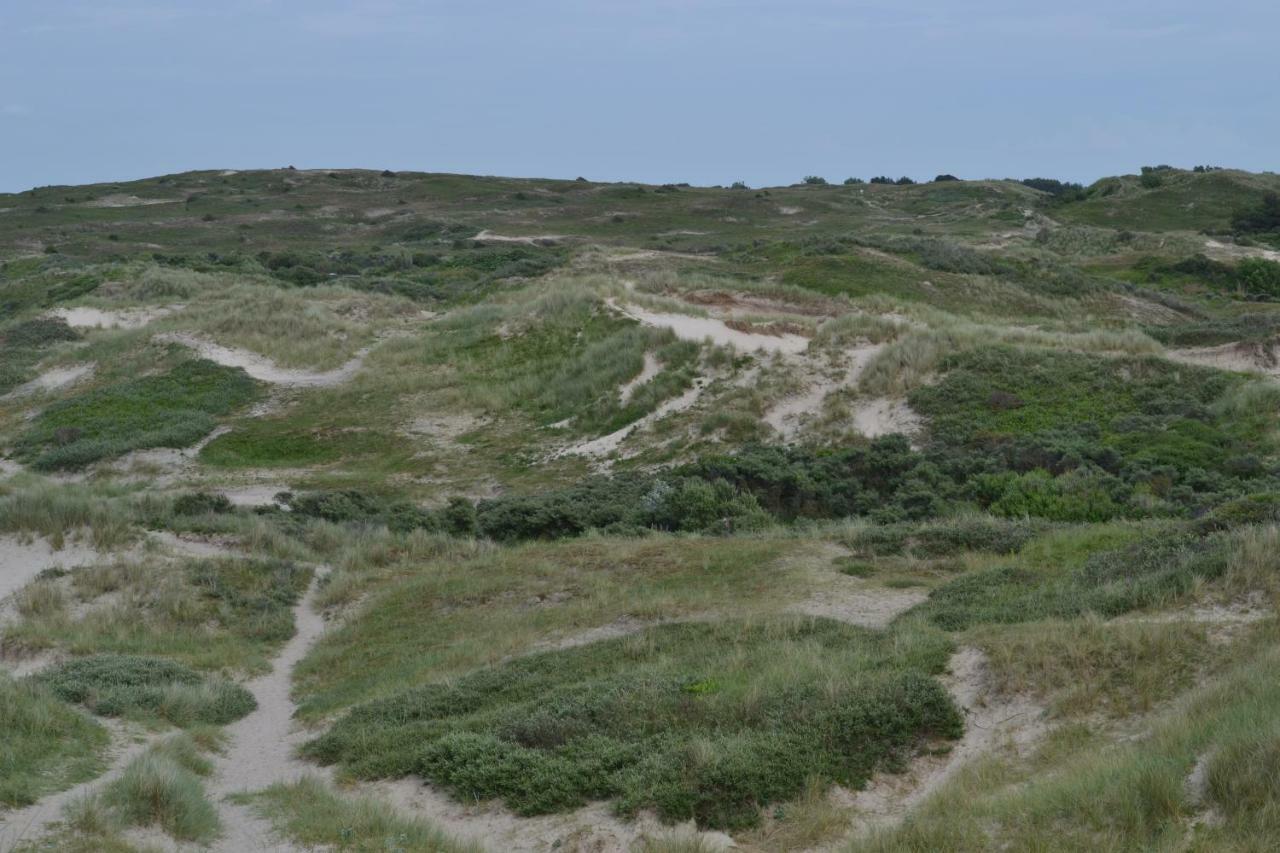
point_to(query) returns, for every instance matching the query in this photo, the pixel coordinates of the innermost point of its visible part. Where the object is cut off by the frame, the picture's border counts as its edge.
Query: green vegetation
(23, 344)
(985, 452)
(308, 813)
(1150, 572)
(162, 788)
(122, 685)
(208, 613)
(688, 719)
(45, 745)
(173, 409)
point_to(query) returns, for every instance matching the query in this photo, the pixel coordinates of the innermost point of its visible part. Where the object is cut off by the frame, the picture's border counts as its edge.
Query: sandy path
(262, 744)
(690, 328)
(33, 821)
(652, 367)
(990, 723)
(263, 368)
(606, 444)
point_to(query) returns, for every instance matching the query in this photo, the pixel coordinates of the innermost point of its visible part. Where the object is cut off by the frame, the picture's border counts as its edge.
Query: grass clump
(45, 745)
(125, 685)
(703, 721)
(171, 409)
(156, 791)
(309, 813)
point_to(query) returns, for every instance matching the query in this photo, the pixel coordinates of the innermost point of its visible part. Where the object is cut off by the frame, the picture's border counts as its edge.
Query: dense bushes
(125, 685)
(675, 721)
(1262, 219)
(1061, 190)
(1251, 278)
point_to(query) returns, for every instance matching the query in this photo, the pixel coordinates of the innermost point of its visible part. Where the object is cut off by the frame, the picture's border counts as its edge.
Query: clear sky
(705, 91)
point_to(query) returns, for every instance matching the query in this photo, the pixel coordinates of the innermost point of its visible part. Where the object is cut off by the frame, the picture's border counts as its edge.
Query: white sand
(83, 317)
(692, 328)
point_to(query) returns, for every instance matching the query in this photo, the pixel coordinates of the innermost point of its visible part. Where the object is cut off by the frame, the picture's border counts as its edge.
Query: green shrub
(944, 538)
(201, 503)
(692, 720)
(125, 685)
(172, 409)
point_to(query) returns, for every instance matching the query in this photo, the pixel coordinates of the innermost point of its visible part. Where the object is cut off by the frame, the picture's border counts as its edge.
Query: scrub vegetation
(557, 514)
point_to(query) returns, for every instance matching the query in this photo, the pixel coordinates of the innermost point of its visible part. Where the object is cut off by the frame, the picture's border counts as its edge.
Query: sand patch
(1213, 249)
(53, 379)
(264, 369)
(487, 236)
(790, 414)
(690, 328)
(83, 317)
(122, 200)
(607, 444)
(885, 415)
(860, 602)
(1241, 356)
(21, 561)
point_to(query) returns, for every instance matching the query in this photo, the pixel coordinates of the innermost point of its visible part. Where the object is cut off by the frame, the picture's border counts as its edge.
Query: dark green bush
(126, 685)
(201, 503)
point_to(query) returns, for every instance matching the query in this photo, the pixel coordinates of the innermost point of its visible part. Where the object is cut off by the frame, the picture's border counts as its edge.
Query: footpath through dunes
(24, 827)
(261, 745)
(264, 369)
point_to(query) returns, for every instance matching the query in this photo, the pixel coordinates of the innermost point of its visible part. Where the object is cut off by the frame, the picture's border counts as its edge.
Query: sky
(703, 91)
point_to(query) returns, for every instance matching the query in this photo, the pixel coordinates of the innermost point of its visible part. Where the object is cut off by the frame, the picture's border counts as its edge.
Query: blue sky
(706, 91)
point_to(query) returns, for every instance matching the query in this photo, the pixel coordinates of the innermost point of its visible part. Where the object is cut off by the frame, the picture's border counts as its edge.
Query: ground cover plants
(679, 718)
(560, 514)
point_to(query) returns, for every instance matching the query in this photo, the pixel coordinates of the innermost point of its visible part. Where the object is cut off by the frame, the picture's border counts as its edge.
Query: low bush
(201, 503)
(944, 538)
(125, 685)
(704, 721)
